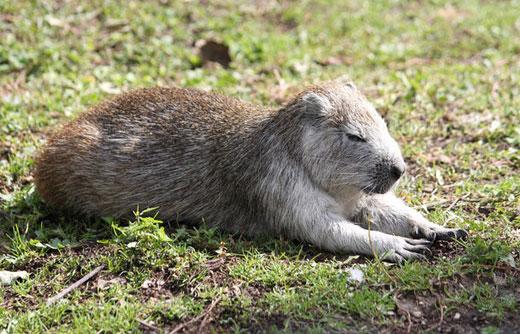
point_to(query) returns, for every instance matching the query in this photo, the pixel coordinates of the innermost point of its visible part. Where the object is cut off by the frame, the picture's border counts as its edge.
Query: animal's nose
(397, 170)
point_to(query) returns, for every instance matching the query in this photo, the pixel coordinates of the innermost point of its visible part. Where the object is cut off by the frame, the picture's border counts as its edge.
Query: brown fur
(316, 169)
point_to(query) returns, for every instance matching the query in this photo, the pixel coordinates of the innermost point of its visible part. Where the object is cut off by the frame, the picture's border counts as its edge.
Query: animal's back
(319, 169)
(154, 147)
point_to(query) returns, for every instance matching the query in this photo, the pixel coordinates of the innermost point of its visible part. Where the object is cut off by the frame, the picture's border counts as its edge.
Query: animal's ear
(351, 84)
(316, 104)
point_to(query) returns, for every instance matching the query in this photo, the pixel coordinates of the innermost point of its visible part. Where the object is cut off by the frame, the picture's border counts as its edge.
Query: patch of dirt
(431, 311)
(156, 288)
(425, 311)
(39, 293)
(443, 249)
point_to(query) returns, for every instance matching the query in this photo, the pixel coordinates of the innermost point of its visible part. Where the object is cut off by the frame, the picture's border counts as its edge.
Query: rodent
(320, 169)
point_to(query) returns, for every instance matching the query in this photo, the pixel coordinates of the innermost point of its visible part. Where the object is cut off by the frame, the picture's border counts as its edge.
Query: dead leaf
(212, 51)
(214, 264)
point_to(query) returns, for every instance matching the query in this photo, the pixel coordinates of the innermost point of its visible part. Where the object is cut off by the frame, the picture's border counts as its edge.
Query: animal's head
(346, 144)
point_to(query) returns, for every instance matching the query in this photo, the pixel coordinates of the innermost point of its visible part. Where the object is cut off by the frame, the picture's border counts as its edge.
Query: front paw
(403, 249)
(438, 233)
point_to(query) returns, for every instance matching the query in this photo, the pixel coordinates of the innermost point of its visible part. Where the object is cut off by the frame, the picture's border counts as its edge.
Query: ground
(443, 74)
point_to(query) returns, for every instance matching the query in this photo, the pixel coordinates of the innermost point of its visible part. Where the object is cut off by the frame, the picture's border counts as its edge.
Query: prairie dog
(319, 169)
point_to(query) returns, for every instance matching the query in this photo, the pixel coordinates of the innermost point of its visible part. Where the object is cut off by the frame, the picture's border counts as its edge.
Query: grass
(443, 74)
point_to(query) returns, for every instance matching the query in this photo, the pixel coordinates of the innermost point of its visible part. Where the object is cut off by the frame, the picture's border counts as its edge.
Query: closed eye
(356, 138)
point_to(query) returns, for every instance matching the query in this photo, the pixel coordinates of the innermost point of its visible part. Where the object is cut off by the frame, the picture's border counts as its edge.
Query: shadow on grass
(26, 221)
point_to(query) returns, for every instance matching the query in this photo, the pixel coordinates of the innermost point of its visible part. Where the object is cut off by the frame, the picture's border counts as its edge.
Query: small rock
(146, 284)
(456, 316)
(356, 274)
(417, 314)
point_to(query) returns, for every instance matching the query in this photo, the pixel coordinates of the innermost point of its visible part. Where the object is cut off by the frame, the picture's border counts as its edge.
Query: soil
(424, 311)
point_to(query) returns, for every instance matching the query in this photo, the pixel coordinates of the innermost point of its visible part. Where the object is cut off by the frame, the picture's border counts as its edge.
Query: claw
(413, 256)
(421, 257)
(462, 234)
(453, 234)
(425, 250)
(418, 249)
(418, 241)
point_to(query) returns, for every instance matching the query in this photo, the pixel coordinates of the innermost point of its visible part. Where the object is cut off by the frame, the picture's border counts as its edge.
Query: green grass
(445, 76)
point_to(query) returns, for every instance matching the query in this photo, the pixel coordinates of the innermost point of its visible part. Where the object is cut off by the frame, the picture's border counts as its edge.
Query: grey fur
(320, 169)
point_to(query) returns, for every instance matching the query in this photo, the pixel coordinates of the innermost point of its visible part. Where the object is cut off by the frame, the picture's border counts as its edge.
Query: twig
(194, 320)
(65, 291)
(444, 201)
(453, 204)
(409, 327)
(476, 211)
(208, 314)
(429, 205)
(278, 77)
(462, 198)
(146, 324)
(403, 309)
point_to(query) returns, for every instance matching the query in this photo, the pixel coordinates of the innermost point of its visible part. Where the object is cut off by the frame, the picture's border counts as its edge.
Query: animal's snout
(397, 170)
